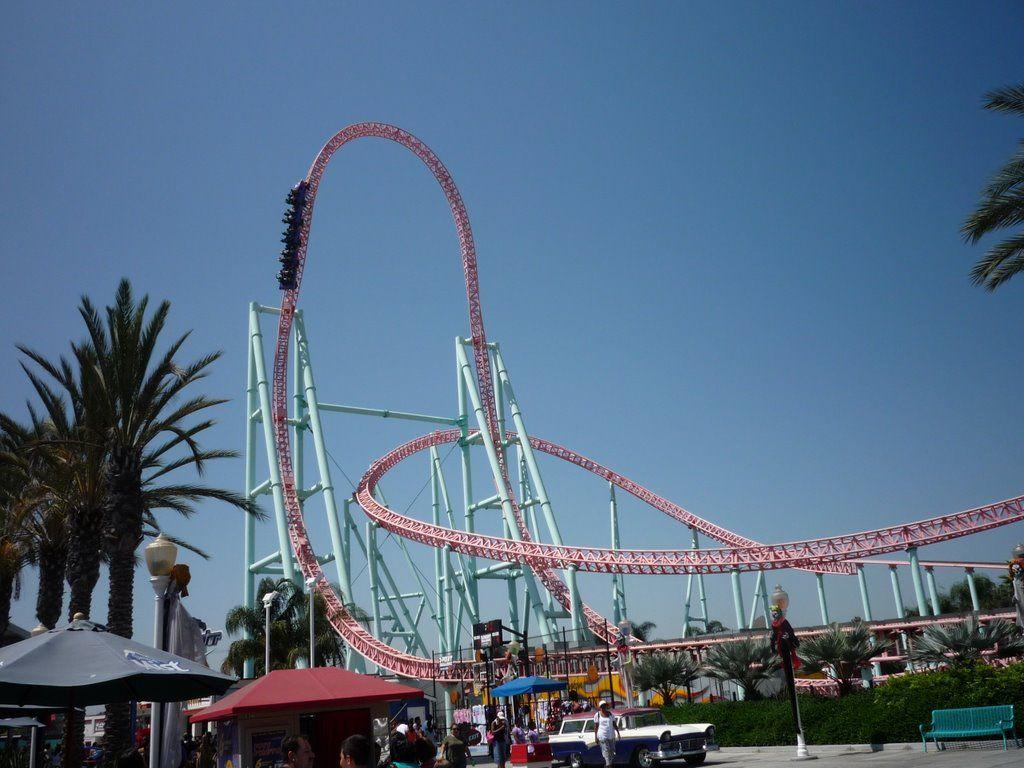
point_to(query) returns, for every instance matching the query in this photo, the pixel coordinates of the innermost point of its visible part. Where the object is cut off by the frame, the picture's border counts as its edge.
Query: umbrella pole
(32, 748)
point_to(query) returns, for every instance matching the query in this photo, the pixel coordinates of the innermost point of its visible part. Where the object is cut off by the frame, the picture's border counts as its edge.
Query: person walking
(454, 749)
(607, 732)
(499, 734)
(205, 752)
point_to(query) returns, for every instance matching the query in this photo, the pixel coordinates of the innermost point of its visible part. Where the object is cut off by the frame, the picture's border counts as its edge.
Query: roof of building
(305, 689)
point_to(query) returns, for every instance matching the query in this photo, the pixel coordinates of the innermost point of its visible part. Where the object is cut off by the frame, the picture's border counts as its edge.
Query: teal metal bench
(967, 723)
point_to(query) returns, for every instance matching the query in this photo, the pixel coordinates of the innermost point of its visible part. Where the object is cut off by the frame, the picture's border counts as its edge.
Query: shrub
(889, 713)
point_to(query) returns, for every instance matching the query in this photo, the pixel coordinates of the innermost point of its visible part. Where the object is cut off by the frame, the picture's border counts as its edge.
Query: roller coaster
(547, 570)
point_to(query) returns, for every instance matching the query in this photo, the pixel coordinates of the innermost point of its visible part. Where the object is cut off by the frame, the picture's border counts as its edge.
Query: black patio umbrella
(84, 664)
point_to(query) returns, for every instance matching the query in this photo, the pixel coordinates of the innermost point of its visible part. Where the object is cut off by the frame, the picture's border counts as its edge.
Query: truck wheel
(575, 760)
(695, 759)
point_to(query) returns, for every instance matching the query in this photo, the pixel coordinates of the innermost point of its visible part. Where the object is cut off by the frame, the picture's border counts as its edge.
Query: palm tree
(1001, 205)
(665, 673)
(839, 654)
(135, 409)
(289, 631)
(74, 443)
(712, 627)
(967, 642)
(746, 662)
(13, 549)
(642, 631)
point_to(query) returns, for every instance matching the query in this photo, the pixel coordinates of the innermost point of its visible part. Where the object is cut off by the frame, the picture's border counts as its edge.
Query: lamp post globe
(1018, 551)
(161, 553)
(780, 597)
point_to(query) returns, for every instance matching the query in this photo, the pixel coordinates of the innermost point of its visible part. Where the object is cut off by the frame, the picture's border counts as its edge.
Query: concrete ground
(988, 754)
(970, 755)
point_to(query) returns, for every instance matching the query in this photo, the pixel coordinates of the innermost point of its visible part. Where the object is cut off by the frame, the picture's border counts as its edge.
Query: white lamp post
(311, 587)
(268, 600)
(160, 556)
(784, 640)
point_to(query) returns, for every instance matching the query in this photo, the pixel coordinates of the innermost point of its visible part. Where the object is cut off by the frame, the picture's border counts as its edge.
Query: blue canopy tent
(525, 685)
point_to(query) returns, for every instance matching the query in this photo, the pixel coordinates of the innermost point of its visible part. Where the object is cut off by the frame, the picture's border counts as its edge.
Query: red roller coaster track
(826, 554)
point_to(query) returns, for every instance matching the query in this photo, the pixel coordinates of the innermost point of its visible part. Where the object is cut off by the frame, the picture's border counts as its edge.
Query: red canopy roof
(318, 688)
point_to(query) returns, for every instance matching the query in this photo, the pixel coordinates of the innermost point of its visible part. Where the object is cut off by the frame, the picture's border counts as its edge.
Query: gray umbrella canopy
(84, 664)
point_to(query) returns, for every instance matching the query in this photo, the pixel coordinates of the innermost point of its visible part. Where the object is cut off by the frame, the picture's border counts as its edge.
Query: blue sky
(718, 244)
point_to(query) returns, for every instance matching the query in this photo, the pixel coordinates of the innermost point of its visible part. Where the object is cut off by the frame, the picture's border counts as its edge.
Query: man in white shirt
(607, 732)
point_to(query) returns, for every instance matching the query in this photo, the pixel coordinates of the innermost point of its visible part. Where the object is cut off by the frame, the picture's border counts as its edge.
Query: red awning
(319, 688)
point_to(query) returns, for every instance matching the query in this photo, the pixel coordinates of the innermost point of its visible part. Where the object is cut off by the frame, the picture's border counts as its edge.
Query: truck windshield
(572, 726)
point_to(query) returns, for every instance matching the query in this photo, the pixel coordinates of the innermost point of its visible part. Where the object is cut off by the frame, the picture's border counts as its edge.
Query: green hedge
(889, 713)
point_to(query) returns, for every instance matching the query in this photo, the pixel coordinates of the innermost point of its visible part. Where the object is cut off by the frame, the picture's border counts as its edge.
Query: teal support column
(371, 569)
(897, 594)
(975, 603)
(686, 605)
(737, 597)
(760, 596)
(464, 562)
(901, 610)
(933, 592)
(513, 598)
(499, 483)
(308, 402)
(915, 575)
(450, 627)
(865, 602)
(578, 621)
(439, 580)
(822, 603)
(277, 491)
(467, 473)
(701, 594)
(249, 522)
(618, 580)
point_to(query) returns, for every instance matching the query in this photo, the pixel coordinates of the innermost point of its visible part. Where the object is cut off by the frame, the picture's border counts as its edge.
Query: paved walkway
(967, 756)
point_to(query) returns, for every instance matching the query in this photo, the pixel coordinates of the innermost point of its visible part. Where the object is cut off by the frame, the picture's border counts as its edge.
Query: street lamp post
(311, 587)
(160, 556)
(268, 601)
(784, 641)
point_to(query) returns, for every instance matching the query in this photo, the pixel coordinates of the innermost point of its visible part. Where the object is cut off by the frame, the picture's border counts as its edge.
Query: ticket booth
(324, 704)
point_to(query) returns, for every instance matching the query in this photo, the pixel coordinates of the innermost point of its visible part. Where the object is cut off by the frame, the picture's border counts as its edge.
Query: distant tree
(991, 596)
(665, 673)
(747, 662)
(642, 631)
(289, 631)
(839, 654)
(712, 627)
(967, 642)
(1001, 205)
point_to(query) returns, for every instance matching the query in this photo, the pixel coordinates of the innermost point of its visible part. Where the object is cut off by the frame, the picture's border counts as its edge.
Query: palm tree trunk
(6, 593)
(83, 565)
(52, 562)
(122, 534)
(74, 738)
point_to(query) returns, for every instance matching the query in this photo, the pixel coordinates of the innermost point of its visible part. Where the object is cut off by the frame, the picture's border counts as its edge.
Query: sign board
(266, 749)
(444, 662)
(488, 634)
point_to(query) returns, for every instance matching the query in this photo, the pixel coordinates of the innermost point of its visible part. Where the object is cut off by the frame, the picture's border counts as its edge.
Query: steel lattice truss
(740, 553)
